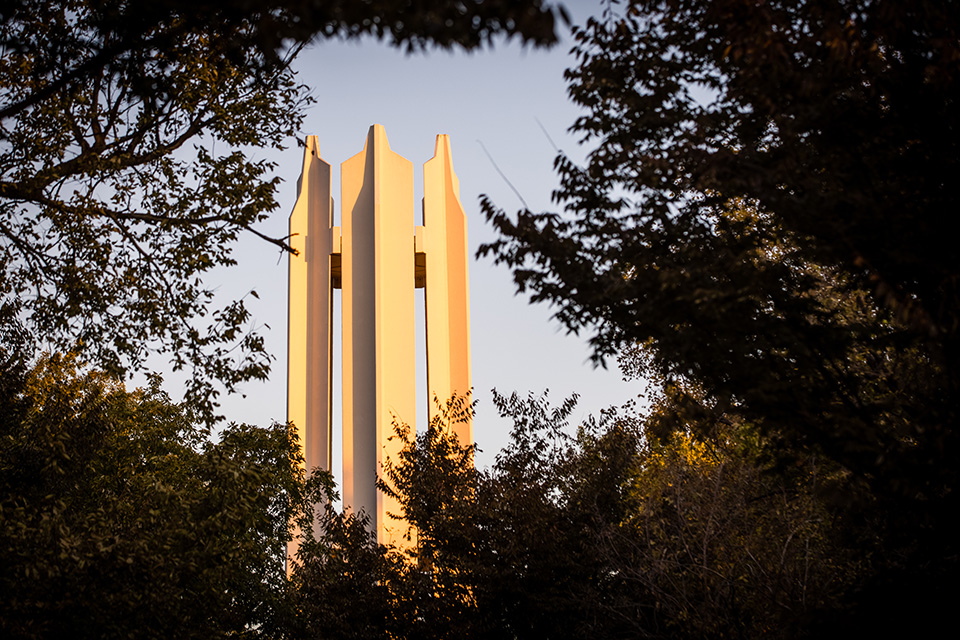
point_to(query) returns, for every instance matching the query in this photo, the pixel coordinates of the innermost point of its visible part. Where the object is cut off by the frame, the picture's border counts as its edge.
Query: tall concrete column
(310, 314)
(310, 311)
(379, 325)
(447, 292)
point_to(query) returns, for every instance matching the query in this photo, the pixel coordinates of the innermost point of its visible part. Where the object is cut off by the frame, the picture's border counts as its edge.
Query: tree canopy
(121, 515)
(766, 208)
(595, 531)
(127, 162)
(765, 213)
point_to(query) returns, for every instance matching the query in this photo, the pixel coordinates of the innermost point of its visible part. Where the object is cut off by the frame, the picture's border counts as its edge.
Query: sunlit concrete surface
(379, 322)
(377, 256)
(310, 311)
(447, 285)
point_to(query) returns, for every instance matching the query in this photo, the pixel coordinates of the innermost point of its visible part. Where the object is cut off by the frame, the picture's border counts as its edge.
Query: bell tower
(377, 256)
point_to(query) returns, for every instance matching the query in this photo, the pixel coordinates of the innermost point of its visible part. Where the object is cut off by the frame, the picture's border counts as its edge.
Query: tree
(726, 545)
(120, 516)
(835, 117)
(496, 554)
(127, 169)
(764, 211)
(344, 585)
(612, 533)
(754, 213)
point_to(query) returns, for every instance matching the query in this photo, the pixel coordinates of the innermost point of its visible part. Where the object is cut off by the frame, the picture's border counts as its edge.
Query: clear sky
(494, 97)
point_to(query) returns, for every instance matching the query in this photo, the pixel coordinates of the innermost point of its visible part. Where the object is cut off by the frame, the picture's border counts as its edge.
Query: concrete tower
(377, 257)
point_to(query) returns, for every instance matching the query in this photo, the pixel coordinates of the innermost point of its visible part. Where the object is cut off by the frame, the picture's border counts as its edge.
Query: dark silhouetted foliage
(765, 210)
(121, 517)
(610, 534)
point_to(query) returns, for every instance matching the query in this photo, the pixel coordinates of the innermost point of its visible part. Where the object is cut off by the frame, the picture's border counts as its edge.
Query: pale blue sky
(495, 97)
